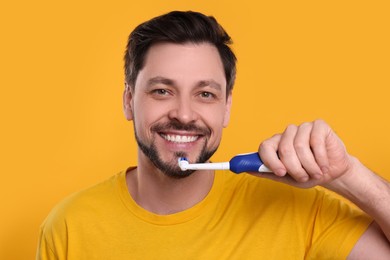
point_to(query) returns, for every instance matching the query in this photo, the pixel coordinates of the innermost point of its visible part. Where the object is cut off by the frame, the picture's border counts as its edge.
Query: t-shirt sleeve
(53, 237)
(338, 226)
(44, 250)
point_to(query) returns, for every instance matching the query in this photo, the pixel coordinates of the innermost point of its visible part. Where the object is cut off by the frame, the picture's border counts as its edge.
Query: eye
(207, 95)
(162, 92)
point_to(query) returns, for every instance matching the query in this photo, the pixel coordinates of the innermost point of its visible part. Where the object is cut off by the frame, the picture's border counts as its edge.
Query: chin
(180, 174)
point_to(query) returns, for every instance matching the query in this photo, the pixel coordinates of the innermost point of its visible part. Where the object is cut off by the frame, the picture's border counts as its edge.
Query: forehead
(183, 62)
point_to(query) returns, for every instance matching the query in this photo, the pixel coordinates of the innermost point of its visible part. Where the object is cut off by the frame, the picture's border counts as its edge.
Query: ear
(127, 102)
(226, 118)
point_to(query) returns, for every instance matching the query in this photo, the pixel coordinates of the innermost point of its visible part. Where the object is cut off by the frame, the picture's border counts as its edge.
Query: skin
(186, 84)
(189, 89)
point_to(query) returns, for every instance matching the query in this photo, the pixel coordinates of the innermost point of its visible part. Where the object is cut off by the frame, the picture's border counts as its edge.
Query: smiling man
(187, 103)
(180, 73)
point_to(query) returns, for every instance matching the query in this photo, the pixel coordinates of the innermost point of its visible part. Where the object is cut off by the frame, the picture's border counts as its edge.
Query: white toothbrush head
(183, 163)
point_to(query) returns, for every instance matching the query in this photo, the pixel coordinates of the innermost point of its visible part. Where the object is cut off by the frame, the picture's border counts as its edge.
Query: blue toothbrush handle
(250, 162)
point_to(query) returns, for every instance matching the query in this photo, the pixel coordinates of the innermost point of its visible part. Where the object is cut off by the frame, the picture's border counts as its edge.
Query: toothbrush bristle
(183, 162)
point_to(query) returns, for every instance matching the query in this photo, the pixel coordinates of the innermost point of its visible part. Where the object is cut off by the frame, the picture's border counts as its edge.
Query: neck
(163, 195)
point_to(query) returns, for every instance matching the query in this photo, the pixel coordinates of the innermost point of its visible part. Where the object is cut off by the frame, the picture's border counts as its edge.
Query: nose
(183, 111)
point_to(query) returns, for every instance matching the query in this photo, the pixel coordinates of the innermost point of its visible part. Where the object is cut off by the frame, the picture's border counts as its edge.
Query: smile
(180, 138)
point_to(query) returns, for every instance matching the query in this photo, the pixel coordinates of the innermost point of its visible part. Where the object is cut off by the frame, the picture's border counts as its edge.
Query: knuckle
(299, 146)
(264, 145)
(270, 142)
(285, 151)
(291, 127)
(319, 121)
(315, 141)
(305, 125)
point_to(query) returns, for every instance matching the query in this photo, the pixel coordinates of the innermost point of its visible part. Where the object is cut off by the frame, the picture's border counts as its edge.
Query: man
(179, 78)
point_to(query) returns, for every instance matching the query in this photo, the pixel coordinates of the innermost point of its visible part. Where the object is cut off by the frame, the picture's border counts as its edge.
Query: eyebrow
(166, 81)
(211, 83)
(160, 80)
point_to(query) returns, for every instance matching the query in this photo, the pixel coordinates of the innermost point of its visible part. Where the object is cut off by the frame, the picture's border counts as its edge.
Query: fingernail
(304, 179)
(317, 176)
(280, 172)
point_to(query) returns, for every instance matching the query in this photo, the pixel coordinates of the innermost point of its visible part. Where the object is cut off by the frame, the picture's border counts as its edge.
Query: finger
(319, 134)
(304, 152)
(268, 154)
(288, 155)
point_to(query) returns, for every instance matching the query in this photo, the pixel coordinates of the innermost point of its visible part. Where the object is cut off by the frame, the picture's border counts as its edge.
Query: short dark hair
(178, 27)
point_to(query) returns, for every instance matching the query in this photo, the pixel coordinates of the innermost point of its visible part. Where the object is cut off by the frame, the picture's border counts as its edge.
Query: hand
(305, 156)
(312, 154)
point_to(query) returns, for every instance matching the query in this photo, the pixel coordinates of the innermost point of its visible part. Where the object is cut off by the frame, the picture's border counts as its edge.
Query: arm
(312, 154)
(372, 194)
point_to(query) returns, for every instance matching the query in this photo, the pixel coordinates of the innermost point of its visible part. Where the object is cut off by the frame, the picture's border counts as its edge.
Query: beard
(171, 168)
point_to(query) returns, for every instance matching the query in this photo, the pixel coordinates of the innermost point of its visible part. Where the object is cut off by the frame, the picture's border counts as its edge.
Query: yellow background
(62, 126)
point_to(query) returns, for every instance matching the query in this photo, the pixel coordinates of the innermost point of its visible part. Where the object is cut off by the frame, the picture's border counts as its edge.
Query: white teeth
(180, 138)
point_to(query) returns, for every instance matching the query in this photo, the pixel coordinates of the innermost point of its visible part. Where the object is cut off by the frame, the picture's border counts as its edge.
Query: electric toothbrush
(249, 162)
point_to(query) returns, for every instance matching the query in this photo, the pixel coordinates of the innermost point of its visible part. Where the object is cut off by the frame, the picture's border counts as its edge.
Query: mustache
(176, 125)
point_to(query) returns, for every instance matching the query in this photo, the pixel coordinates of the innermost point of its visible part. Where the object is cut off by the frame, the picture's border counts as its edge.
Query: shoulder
(82, 202)
(72, 215)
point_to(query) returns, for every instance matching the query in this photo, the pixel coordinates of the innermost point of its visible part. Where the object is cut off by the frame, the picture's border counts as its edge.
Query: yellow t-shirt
(242, 217)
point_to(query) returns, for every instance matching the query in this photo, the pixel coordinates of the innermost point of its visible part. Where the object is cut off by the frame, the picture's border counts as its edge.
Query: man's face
(179, 105)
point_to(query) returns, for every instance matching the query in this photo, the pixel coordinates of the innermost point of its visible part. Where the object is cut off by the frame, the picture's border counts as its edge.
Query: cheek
(145, 115)
(215, 138)
(218, 116)
(215, 120)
